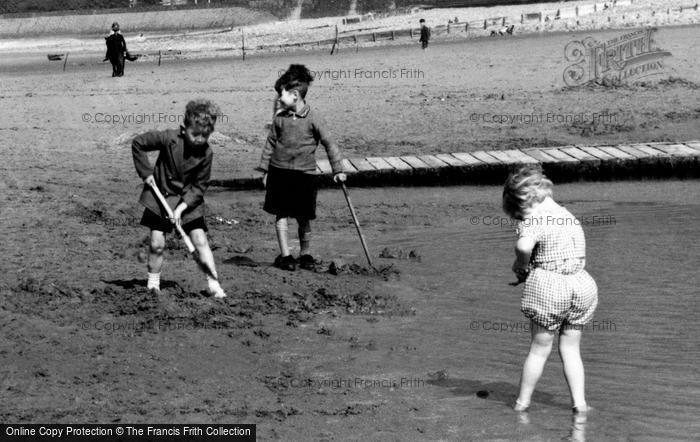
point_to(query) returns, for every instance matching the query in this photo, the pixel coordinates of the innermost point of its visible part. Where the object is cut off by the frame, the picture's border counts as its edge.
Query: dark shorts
(291, 193)
(154, 222)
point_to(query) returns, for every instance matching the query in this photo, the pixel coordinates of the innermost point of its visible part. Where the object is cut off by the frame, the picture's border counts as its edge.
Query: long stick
(188, 242)
(357, 225)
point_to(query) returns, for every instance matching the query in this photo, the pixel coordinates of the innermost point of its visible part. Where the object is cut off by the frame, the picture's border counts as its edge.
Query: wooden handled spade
(188, 242)
(357, 225)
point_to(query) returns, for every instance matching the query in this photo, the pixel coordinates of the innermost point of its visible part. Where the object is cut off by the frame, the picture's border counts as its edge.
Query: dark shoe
(307, 262)
(286, 263)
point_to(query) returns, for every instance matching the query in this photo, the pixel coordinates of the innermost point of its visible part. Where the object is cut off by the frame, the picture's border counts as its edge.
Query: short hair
(422, 20)
(297, 77)
(201, 114)
(115, 26)
(524, 188)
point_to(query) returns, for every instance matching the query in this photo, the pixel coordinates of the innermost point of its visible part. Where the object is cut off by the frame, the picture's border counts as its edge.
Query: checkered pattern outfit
(558, 291)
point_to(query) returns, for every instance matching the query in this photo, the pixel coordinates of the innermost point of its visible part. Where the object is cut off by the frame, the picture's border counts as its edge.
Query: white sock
(153, 281)
(213, 284)
(215, 288)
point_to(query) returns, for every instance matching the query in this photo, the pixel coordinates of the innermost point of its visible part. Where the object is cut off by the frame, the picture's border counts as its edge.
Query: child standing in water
(289, 163)
(559, 295)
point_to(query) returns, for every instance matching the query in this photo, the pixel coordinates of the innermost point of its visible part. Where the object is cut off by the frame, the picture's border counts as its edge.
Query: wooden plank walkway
(564, 163)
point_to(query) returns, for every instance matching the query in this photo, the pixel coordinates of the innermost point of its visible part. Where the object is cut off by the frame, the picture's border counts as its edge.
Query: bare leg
(540, 348)
(304, 235)
(282, 238)
(570, 353)
(155, 256)
(201, 244)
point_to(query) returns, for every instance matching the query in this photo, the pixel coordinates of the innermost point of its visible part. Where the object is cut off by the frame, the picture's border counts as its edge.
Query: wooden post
(159, 54)
(392, 35)
(576, 11)
(485, 24)
(335, 43)
(595, 7)
(522, 18)
(410, 31)
(243, 44)
(503, 23)
(466, 28)
(374, 37)
(65, 61)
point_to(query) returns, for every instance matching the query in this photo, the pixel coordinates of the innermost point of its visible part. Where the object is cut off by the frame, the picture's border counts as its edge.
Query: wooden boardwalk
(565, 163)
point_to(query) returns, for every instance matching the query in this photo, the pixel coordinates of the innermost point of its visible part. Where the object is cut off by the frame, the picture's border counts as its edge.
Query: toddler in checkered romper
(559, 296)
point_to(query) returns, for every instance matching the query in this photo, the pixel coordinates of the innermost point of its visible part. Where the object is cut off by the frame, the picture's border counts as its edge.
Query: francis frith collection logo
(629, 57)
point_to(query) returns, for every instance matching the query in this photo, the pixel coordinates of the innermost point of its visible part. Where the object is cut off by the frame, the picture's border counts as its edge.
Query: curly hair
(297, 77)
(524, 188)
(201, 114)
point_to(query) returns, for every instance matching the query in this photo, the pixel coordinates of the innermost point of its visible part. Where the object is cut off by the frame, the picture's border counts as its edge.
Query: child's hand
(521, 275)
(264, 179)
(340, 177)
(520, 271)
(150, 181)
(177, 214)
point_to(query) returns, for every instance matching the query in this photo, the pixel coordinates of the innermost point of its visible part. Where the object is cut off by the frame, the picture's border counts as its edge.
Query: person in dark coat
(116, 51)
(424, 34)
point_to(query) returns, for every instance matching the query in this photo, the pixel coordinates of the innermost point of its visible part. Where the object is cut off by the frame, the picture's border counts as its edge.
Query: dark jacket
(424, 33)
(181, 171)
(116, 45)
(293, 140)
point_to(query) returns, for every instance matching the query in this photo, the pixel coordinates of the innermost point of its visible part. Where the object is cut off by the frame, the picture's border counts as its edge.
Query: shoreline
(308, 34)
(235, 53)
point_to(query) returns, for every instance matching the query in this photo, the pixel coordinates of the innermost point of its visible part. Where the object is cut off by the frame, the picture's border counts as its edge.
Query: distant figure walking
(424, 34)
(116, 50)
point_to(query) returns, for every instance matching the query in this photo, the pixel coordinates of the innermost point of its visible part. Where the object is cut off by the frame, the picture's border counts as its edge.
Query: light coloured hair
(201, 114)
(524, 188)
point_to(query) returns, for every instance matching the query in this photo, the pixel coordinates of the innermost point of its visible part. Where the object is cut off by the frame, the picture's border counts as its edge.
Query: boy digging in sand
(289, 163)
(181, 173)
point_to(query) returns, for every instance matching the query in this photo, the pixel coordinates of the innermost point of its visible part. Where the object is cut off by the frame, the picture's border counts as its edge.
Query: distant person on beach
(116, 50)
(288, 162)
(424, 34)
(559, 297)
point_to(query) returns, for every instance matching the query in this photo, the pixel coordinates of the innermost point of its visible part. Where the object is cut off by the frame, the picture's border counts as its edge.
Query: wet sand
(317, 356)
